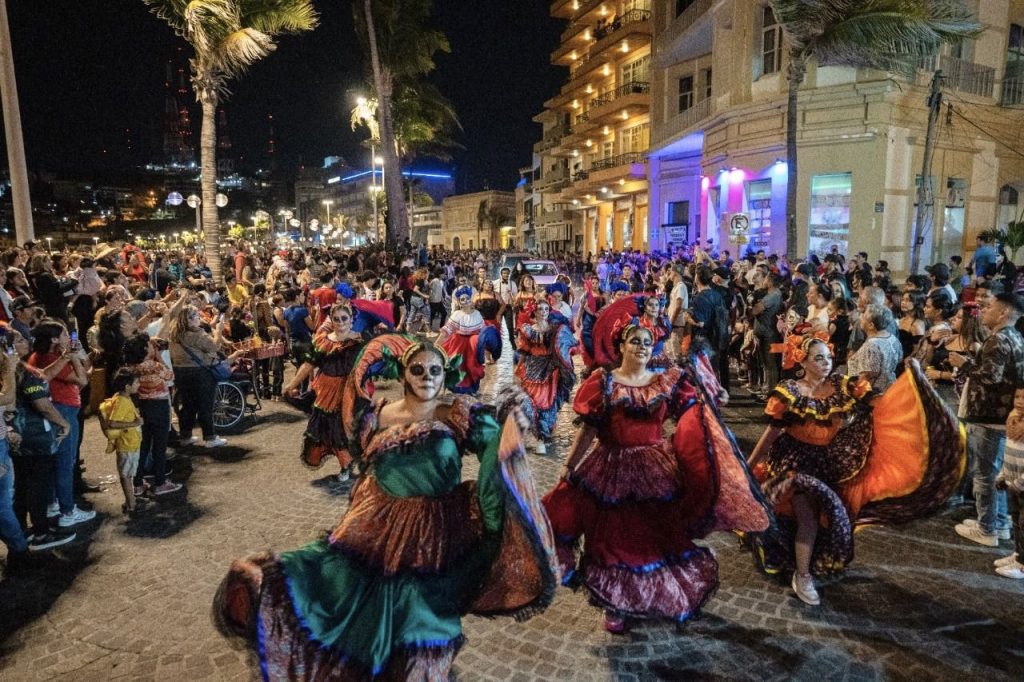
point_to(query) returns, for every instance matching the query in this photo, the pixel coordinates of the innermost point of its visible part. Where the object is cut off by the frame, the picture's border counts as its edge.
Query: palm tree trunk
(398, 221)
(208, 181)
(23, 227)
(797, 71)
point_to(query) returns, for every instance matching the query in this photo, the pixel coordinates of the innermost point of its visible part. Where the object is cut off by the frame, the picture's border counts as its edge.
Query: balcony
(551, 139)
(959, 74)
(1013, 92)
(562, 9)
(634, 24)
(683, 123)
(552, 181)
(558, 213)
(626, 159)
(634, 95)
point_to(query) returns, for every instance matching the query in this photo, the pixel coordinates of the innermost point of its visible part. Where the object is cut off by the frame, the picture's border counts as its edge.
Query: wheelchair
(238, 398)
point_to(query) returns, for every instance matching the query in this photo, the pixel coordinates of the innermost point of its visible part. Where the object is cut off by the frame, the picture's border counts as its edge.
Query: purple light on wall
(737, 175)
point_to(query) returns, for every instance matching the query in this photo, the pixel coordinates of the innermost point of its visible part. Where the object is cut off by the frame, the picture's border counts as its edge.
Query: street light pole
(23, 228)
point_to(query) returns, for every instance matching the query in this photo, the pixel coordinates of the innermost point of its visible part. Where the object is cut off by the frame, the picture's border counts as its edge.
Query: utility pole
(917, 229)
(24, 230)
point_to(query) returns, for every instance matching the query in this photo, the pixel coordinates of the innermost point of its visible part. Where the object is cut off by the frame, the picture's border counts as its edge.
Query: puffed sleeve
(474, 424)
(590, 403)
(678, 384)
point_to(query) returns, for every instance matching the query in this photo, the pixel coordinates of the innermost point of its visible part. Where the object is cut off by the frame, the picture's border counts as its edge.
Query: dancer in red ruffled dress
(640, 500)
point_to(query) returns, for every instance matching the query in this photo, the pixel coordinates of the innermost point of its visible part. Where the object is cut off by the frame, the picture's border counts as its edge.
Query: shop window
(829, 223)
(953, 219)
(759, 209)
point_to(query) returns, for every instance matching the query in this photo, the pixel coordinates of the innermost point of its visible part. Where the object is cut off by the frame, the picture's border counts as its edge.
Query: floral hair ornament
(794, 349)
(463, 291)
(972, 309)
(558, 287)
(619, 285)
(345, 290)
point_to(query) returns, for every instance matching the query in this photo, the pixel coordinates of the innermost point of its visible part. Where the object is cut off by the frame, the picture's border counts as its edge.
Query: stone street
(131, 598)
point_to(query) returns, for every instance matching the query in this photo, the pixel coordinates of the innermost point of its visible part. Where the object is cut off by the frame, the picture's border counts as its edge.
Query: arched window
(1008, 195)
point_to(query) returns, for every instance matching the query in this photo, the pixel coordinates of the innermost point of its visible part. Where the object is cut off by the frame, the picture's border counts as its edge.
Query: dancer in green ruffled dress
(383, 595)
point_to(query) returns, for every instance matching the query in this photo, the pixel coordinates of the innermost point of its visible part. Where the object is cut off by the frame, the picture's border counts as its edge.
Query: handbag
(221, 370)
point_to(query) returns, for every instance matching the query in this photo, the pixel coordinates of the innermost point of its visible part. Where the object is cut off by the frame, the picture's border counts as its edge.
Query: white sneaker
(803, 587)
(343, 476)
(1014, 571)
(214, 442)
(540, 448)
(975, 534)
(75, 517)
(1006, 560)
(192, 440)
(1003, 534)
(53, 509)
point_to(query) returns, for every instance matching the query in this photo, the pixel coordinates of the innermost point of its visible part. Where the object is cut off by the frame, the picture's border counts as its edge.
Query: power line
(986, 133)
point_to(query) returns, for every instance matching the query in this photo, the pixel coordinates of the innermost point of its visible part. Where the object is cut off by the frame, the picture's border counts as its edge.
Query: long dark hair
(111, 344)
(44, 334)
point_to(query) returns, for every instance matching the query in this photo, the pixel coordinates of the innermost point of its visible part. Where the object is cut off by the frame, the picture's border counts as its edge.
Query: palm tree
(400, 47)
(228, 36)
(888, 35)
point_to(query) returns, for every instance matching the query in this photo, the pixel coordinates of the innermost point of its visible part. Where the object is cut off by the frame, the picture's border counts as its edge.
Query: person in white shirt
(505, 291)
(679, 303)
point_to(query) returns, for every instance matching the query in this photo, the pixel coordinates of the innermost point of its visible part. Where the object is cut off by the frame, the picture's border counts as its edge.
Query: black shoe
(19, 562)
(52, 538)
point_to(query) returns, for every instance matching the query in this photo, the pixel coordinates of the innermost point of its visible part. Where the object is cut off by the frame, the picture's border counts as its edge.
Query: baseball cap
(805, 269)
(722, 272)
(939, 270)
(21, 303)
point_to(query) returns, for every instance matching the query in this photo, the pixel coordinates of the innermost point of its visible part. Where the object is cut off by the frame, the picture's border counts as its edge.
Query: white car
(543, 272)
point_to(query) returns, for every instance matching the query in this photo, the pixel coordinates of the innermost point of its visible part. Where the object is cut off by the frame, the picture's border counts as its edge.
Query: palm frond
(274, 17)
(240, 50)
(883, 34)
(172, 12)
(209, 22)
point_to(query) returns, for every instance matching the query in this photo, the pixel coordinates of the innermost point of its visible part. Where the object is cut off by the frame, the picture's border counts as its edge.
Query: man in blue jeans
(11, 533)
(992, 379)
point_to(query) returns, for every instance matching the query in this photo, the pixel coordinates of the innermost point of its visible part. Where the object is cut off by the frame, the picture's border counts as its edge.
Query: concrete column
(12, 130)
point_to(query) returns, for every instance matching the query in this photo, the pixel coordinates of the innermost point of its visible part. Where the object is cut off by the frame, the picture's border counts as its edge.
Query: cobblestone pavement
(131, 599)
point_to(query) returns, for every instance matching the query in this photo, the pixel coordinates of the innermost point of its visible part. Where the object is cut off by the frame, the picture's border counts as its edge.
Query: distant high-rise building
(225, 161)
(178, 148)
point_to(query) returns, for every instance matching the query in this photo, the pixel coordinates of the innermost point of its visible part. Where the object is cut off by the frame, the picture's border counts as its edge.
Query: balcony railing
(630, 88)
(616, 161)
(685, 120)
(1013, 92)
(631, 17)
(551, 178)
(593, 56)
(552, 138)
(558, 213)
(960, 74)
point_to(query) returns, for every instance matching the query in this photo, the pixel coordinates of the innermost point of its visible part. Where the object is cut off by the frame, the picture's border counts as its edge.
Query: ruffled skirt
(465, 346)
(899, 463)
(638, 509)
(325, 435)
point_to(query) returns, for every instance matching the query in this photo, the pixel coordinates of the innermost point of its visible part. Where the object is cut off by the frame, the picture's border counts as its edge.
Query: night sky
(91, 70)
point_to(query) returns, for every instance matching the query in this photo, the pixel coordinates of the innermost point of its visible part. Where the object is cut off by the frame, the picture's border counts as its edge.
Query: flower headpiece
(463, 291)
(344, 290)
(794, 349)
(559, 287)
(619, 285)
(971, 308)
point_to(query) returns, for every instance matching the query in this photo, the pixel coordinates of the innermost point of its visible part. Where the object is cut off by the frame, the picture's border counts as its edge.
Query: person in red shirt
(136, 269)
(321, 299)
(66, 367)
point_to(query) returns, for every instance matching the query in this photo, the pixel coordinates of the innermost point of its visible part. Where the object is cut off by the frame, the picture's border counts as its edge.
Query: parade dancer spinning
(382, 596)
(465, 335)
(593, 301)
(639, 499)
(837, 456)
(545, 369)
(330, 361)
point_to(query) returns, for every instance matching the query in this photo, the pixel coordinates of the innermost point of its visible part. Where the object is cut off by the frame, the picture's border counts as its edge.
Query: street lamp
(327, 203)
(49, 245)
(95, 244)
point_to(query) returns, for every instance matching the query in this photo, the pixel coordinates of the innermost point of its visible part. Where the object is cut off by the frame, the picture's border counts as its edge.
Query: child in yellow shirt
(122, 425)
